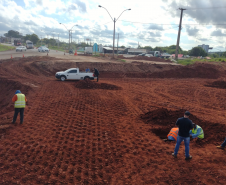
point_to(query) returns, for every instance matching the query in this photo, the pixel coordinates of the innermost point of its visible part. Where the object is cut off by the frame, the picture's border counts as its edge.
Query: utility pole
(178, 37)
(138, 46)
(114, 39)
(58, 40)
(117, 44)
(69, 40)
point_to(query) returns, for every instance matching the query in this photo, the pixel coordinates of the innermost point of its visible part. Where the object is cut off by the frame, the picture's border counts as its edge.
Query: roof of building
(137, 50)
(109, 48)
(179, 55)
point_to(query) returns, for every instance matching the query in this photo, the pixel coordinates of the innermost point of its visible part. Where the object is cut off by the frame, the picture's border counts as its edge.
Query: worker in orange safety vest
(172, 136)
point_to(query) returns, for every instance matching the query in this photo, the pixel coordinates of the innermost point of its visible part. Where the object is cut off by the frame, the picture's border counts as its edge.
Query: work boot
(175, 156)
(187, 158)
(21, 123)
(13, 122)
(220, 147)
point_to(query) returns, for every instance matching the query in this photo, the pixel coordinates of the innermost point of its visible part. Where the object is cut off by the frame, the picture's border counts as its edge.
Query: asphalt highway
(28, 52)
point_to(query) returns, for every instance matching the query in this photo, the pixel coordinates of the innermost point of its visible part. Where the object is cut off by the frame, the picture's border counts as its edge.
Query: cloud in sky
(43, 17)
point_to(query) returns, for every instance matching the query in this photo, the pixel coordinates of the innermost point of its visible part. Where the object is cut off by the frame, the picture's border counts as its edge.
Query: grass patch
(192, 61)
(6, 48)
(123, 60)
(96, 55)
(186, 62)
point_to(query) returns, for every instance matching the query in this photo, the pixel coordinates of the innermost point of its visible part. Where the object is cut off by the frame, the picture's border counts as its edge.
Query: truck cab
(74, 74)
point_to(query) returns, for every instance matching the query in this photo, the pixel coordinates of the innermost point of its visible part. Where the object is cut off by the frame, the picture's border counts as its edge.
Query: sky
(149, 22)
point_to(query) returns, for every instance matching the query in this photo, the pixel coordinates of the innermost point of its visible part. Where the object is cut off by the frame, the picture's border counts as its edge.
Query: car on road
(43, 49)
(21, 48)
(74, 74)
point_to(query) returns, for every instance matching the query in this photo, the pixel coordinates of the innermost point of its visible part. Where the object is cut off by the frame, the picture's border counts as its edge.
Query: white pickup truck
(74, 74)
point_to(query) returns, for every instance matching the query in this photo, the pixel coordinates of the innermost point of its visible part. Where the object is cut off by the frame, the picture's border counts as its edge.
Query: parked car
(148, 55)
(74, 74)
(21, 48)
(43, 49)
(143, 54)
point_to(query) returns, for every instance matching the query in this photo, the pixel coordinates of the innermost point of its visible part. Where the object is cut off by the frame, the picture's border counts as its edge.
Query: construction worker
(96, 72)
(185, 125)
(87, 70)
(222, 146)
(172, 136)
(197, 132)
(19, 100)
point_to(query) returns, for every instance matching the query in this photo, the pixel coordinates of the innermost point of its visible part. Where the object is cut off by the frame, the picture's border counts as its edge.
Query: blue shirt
(87, 70)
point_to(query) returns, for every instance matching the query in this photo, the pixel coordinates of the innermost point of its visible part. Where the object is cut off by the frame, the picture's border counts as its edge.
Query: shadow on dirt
(88, 84)
(162, 120)
(217, 84)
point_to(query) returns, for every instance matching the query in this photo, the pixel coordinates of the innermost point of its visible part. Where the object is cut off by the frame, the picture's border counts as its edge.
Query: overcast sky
(149, 22)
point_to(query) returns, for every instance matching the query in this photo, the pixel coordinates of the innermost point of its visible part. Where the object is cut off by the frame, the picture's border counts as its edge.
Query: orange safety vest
(173, 132)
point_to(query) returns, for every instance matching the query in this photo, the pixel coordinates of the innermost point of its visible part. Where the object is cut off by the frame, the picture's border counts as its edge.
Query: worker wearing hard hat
(172, 136)
(197, 132)
(19, 100)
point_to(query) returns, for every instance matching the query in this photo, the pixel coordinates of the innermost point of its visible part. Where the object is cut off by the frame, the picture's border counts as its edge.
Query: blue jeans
(21, 111)
(171, 138)
(224, 143)
(186, 143)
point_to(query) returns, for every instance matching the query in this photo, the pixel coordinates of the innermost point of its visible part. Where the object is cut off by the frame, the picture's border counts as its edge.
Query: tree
(12, 33)
(198, 51)
(34, 38)
(224, 54)
(122, 47)
(148, 48)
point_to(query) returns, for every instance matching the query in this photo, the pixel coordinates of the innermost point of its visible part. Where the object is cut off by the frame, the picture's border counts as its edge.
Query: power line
(206, 8)
(172, 24)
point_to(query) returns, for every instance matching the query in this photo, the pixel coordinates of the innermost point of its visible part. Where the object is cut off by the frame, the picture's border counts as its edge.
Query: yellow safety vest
(20, 103)
(194, 131)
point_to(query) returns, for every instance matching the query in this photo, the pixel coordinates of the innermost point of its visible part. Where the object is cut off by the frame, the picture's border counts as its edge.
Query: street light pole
(69, 34)
(114, 20)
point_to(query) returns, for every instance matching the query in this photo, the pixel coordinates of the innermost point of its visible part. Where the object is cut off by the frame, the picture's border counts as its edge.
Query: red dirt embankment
(87, 132)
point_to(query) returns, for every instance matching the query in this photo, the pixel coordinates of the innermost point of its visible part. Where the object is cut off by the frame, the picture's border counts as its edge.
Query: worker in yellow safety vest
(197, 132)
(19, 100)
(172, 136)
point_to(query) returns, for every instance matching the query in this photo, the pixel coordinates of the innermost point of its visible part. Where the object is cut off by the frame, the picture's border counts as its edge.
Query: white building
(205, 47)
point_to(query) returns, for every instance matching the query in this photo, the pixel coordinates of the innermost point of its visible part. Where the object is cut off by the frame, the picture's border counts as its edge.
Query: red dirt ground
(110, 132)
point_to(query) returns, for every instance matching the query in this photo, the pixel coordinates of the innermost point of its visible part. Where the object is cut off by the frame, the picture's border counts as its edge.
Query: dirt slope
(110, 132)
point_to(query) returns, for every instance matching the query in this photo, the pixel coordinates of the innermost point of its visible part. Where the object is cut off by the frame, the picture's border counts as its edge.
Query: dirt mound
(217, 84)
(8, 89)
(194, 71)
(162, 120)
(88, 84)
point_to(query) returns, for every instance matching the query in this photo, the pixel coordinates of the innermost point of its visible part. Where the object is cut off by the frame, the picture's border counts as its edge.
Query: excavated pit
(88, 84)
(217, 84)
(162, 120)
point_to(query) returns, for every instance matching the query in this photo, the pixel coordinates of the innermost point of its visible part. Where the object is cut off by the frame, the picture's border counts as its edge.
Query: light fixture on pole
(114, 20)
(69, 31)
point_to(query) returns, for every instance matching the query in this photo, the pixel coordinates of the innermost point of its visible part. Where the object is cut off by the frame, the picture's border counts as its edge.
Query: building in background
(100, 48)
(205, 47)
(95, 48)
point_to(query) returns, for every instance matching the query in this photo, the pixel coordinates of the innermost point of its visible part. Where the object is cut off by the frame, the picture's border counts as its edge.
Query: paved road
(28, 52)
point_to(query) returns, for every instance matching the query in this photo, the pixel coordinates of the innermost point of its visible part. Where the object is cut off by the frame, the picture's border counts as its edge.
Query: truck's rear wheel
(62, 78)
(86, 77)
